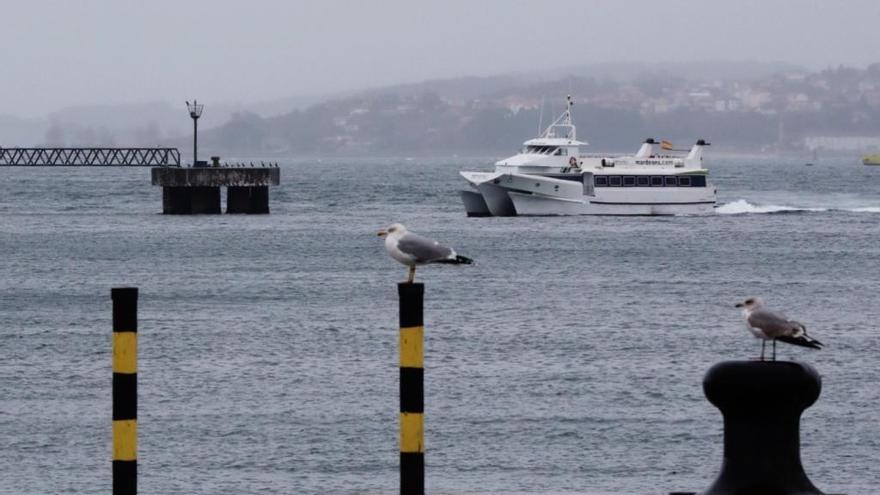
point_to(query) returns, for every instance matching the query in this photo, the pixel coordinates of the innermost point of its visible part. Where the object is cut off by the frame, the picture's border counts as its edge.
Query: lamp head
(195, 109)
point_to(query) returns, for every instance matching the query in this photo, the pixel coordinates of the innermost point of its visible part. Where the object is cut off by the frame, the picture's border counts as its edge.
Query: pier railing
(89, 157)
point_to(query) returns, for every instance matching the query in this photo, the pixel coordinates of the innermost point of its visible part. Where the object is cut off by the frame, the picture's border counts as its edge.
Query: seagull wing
(772, 323)
(776, 326)
(424, 250)
(800, 337)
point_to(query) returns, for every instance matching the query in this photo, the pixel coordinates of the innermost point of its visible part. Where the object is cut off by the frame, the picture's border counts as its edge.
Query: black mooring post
(124, 390)
(762, 402)
(412, 402)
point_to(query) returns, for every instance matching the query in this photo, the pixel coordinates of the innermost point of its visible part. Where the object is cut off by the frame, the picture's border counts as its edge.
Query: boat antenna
(570, 103)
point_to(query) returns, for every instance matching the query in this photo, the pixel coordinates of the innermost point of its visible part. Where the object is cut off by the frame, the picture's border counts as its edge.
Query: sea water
(567, 359)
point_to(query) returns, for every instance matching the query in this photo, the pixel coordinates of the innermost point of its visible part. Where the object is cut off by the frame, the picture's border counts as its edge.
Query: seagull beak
(739, 305)
(382, 233)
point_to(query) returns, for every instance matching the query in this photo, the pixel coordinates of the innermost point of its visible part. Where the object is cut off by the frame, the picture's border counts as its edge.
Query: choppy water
(568, 359)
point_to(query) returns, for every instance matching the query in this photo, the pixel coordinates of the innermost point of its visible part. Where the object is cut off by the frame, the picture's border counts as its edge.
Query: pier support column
(190, 200)
(175, 200)
(247, 199)
(205, 200)
(762, 402)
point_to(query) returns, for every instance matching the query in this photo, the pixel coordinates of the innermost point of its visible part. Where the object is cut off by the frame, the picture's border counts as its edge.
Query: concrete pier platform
(187, 191)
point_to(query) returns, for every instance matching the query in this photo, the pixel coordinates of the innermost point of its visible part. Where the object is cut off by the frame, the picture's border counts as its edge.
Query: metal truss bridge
(89, 157)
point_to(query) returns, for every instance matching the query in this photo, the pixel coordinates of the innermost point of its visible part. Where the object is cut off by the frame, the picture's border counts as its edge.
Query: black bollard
(762, 402)
(124, 390)
(412, 397)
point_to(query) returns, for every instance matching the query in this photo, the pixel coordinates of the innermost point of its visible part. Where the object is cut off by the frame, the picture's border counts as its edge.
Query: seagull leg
(774, 349)
(763, 342)
(412, 274)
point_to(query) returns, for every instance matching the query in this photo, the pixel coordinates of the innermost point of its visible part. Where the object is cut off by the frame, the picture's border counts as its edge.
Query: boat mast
(564, 120)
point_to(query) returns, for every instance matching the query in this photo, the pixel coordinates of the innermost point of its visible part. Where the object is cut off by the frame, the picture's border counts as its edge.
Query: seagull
(767, 325)
(413, 250)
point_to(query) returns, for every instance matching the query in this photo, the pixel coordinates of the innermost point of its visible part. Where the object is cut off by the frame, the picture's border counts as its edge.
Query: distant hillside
(758, 109)
(737, 105)
(707, 70)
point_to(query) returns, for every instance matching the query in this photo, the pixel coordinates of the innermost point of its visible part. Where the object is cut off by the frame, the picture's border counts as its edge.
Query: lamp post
(195, 111)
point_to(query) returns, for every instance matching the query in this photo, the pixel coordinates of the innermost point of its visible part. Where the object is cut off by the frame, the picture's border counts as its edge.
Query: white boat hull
(493, 197)
(534, 205)
(497, 200)
(575, 194)
(474, 204)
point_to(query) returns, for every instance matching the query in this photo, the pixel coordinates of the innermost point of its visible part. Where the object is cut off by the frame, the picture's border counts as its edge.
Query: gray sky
(63, 53)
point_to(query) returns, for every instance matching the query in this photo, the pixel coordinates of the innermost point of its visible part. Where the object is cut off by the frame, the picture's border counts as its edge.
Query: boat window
(601, 181)
(614, 181)
(670, 181)
(643, 181)
(629, 181)
(684, 181)
(656, 181)
(561, 152)
(698, 181)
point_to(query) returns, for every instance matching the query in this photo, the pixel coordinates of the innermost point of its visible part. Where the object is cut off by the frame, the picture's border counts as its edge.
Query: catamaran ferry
(551, 177)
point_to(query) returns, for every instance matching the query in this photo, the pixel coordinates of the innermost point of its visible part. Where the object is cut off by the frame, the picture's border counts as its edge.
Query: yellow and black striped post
(124, 390)
(412, 396)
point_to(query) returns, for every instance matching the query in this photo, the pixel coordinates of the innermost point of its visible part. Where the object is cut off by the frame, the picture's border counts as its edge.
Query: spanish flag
(666, 145)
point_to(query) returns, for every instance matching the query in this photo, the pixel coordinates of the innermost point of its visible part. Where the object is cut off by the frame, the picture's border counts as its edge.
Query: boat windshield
(541, 150)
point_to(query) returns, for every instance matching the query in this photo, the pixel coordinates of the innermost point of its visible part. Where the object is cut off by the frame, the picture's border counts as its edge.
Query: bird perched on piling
(413, 250)
(766, 324)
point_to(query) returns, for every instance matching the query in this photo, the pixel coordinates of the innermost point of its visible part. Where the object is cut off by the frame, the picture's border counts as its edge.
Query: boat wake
(741, 207)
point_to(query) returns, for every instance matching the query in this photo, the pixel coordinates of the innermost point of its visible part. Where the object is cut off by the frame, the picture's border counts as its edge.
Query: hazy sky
(62, 53)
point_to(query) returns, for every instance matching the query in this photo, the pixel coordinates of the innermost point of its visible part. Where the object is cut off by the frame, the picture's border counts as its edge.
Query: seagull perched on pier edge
(767, 325)
(413, 250)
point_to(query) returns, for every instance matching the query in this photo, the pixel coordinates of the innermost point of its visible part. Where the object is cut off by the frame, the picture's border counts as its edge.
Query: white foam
(741, 206)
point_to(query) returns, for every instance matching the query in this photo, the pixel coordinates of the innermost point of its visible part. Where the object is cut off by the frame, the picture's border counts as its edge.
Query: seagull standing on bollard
(413, 250)
(767, 325)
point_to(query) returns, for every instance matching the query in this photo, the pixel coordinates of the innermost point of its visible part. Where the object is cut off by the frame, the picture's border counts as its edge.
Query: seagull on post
(767, 325)
(413, 250)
